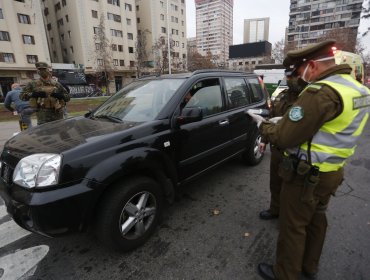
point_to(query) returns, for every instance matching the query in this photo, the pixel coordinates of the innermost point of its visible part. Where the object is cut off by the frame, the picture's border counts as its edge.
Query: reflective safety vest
(336, 139)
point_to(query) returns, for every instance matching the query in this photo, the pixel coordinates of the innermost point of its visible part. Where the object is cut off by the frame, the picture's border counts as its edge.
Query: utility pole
(168, 38)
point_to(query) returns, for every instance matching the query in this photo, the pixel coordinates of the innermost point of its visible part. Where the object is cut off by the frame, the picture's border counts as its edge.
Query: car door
(202, 144)
(240, 97)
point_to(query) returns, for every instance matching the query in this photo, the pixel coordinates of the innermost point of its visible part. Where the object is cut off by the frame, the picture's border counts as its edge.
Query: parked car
(113, 169)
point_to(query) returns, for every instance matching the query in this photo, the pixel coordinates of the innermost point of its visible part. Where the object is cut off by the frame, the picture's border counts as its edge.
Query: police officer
(318, 133)
(280, 104)
(46, 96)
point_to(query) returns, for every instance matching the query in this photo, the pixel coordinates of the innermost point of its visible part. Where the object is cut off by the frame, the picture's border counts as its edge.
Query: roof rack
(216, 70)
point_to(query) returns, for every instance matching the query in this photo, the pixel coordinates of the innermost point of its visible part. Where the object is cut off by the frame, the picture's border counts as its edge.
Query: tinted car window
(207, 95)
(140, 101)
(237, 92)
(257, 94)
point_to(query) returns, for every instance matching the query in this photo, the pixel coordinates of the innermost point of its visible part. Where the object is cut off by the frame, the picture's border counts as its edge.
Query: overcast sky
(276, 10)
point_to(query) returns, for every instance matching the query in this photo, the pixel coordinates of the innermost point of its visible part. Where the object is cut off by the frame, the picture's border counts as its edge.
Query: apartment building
(22, 42)
(312, 19)
(256, 30)
(161, 20)
(97, 35)
(214, 28)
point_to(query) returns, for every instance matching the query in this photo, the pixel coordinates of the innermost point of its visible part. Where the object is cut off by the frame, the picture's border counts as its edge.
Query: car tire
(128, 215)
(252, 155)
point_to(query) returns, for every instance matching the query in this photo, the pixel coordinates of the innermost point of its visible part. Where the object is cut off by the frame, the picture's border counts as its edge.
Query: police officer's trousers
(275, 180)
(303, 226)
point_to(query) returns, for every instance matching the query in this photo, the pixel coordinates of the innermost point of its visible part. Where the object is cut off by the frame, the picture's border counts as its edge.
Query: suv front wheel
(129, 214)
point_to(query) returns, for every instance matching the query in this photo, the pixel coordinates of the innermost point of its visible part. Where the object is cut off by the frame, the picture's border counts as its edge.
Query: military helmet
(41, 65)
(314, 51)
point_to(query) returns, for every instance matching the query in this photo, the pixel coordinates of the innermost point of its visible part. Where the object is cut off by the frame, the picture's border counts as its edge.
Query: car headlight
(38, 170)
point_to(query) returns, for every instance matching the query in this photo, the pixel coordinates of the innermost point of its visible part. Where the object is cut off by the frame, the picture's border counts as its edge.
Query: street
(212, 232)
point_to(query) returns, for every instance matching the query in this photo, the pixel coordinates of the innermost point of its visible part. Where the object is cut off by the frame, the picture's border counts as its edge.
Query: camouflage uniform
(47, 97)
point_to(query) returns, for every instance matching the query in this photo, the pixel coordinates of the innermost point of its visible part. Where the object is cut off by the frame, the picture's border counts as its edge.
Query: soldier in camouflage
(46, 96)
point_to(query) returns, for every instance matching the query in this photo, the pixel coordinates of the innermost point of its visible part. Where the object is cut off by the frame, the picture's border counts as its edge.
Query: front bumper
(51, 212)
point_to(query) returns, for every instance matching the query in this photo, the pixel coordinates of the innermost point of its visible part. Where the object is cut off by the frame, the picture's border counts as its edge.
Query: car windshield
(139, 101)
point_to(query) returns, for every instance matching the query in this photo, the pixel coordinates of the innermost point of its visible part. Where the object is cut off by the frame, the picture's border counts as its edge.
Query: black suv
(115, 167)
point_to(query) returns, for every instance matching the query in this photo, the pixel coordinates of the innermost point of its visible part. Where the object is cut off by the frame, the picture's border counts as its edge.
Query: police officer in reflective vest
(46, 96)
(318, 133)
(280, 104)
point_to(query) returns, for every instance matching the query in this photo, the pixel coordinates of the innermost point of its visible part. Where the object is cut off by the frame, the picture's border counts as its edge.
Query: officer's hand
(275, 120)
(57, 95)
(256, 118)
(37, 94)
(262, 147)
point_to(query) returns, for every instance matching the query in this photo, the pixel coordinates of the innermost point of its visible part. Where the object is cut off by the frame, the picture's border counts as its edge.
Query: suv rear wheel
(252, 155)
(129, 214)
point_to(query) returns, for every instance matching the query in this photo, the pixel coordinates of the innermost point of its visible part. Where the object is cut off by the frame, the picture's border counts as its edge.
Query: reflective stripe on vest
(336, 139)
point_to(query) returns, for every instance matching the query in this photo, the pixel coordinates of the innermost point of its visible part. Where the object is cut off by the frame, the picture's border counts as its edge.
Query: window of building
(64, 3)
(55, 54)
(20, 1)
(182, 11)
(162, 4)
(100, 62)
(114, 2)
(24, 19)
(69, 34)
(48, 26)
(130, 49)
(128, 7)
(183, 45)
(32, 59)
(128, 21)
(97, 46)
(7, 57)
(132, 63)
(46, 11)
(96, 30)
(28, 39)
(116, 33)
(120, 48)
(121, 62)
(114, 47)
(52, 40)
(71, 49)
(94, 14)
(114, 17)
(137, 7)
(183, 34)
(60, 22)
(163, 29)
(4, 36)
(67, 18)
(57, 7)
(62, 37)
(162, 16)
(138, 20)
(1, 14)
(130, 36)
(115, 62)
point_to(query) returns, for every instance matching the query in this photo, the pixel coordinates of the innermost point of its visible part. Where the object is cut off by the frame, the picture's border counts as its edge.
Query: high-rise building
(310, 20)
(256, 30)
(22, 42)
(96, 35)
(214, 28)
(161, 20)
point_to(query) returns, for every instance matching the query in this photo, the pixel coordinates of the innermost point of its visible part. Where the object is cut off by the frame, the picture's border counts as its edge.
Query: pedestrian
(21, 108)
(46, 96)
(280, 105)
(318, 134)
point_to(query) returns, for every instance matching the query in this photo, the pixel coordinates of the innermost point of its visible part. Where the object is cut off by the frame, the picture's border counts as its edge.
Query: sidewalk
(7, 129)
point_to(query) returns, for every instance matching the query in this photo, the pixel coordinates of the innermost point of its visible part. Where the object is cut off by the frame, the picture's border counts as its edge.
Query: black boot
(267, 215)
(266, 272)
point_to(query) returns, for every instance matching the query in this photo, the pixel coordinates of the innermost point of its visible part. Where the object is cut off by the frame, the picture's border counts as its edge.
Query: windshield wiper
(108, 117)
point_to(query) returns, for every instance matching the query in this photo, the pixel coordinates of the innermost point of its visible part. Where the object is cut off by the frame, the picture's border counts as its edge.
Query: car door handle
(223, 122)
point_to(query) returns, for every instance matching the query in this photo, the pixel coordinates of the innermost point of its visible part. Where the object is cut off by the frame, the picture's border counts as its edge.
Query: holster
(311, 180)
(287, 168)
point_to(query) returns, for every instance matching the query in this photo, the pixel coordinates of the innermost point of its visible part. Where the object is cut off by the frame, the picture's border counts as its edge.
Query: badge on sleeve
(296, 113)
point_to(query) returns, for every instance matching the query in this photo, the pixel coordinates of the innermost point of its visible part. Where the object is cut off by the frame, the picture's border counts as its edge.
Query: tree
(141, 53)
(196, 61)
(277, 52)
(366, 14)
(160, 49)
(103, 54)
(346, 38)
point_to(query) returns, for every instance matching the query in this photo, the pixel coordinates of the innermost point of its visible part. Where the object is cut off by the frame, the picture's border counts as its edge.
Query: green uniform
(302, 220)
(280, 106)
(49, 108)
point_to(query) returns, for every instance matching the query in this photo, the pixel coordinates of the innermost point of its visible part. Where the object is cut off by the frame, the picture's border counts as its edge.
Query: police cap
(41, 65)
(314, 51)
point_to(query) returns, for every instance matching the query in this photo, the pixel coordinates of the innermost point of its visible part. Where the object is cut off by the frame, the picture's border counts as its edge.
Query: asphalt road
(195, 243)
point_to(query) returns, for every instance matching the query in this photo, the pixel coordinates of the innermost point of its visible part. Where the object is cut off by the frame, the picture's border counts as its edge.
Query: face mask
(44, 73)
(295, 86)
(303, 77)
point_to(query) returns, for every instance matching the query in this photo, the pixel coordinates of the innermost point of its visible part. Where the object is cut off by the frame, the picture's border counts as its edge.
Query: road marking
(23, 263)
(10, 232)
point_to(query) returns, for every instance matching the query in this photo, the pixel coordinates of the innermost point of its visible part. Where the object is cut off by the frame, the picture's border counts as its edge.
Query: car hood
(63, 135)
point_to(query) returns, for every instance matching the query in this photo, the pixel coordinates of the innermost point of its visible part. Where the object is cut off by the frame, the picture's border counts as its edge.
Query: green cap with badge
(41, 65)
(311, 52)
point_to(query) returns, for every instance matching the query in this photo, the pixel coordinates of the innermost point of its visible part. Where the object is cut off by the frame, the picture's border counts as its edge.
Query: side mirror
(88, 114)
(189, 115)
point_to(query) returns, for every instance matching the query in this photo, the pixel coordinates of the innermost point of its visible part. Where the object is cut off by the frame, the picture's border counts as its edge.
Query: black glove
(37, 94)
(57, 95)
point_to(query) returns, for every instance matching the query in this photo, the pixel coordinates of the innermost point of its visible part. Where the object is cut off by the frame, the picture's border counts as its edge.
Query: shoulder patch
(296, 113)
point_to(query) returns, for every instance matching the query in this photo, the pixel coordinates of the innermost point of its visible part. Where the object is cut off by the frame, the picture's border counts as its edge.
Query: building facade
(312, 19)
(22, 42)
(158, 21)
(214, 28)
(256, 30)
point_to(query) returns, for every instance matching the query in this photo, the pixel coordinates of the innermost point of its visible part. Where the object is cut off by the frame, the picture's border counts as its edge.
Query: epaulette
(313, 88)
